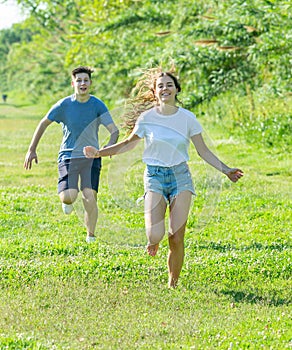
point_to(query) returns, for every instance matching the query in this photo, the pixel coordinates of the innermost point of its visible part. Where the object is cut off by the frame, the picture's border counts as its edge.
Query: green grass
(57, 292)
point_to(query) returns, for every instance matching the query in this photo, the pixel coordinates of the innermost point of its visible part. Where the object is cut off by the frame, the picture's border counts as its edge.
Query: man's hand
(30, 156)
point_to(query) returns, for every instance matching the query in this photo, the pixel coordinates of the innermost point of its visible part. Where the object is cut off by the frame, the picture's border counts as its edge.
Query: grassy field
(57, 292)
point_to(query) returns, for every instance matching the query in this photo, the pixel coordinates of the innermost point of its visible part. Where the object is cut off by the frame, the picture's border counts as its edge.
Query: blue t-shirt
(80, 123)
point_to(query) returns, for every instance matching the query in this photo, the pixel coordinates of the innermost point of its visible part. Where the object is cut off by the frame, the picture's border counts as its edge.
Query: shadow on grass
(243, 297)
(225, 247)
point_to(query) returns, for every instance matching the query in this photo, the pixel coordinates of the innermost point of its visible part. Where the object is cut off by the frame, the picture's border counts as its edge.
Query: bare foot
(152, 249)
(172, 283)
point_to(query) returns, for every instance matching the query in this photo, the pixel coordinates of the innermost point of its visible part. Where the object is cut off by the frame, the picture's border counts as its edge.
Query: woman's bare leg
(155, 207)
(179, 210)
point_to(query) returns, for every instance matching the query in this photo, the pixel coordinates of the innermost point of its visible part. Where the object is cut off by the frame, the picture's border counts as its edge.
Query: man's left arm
(114, 132)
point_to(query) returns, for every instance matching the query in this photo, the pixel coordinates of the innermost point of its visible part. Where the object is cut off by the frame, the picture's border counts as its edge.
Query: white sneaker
(67, 208)
(90, 239)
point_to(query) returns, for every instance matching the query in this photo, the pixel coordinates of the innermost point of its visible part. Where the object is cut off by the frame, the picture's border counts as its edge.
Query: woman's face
(165, 90)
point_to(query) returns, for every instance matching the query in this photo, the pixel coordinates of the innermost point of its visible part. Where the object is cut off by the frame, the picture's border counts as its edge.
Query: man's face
(81, 84)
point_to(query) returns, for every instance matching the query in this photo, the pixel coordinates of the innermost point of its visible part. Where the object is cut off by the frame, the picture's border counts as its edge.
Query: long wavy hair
(144, 95)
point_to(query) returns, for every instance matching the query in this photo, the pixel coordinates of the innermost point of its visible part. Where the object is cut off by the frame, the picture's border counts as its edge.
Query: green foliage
(217, 47)
(9, 38)
(259, 118)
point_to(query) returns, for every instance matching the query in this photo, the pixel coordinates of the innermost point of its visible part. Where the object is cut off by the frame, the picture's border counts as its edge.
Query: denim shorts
(83, 170)
(168, 181)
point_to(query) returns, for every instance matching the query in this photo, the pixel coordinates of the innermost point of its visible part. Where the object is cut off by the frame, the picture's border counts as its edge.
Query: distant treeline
(216, 46)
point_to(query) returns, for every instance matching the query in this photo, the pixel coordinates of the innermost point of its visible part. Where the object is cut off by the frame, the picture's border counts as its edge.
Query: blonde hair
(144, 94)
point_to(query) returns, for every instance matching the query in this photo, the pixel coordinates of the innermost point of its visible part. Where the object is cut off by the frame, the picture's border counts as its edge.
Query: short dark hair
(82, 69)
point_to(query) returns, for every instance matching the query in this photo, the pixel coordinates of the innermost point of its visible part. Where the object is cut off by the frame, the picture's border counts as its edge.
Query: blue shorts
(83, 169)
(168, 181)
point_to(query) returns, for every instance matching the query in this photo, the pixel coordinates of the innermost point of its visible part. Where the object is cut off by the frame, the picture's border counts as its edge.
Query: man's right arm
(31, 153)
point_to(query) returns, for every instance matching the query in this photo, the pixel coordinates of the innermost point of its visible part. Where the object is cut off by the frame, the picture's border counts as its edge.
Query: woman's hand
(234, 174)
(91, 152)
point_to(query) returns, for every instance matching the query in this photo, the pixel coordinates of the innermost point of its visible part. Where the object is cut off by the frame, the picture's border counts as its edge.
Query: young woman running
(167, 130)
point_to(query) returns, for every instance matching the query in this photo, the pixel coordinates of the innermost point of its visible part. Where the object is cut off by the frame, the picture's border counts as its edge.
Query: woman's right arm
(120, 147)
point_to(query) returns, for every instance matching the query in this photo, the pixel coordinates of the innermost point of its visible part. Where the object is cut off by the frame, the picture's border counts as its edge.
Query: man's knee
(68, 196)
(89, 195)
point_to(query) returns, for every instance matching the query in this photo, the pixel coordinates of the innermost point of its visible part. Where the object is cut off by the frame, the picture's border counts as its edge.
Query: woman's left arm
(234, 174)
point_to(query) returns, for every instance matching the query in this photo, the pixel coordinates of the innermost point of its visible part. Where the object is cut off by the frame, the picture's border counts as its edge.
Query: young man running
(80, 115)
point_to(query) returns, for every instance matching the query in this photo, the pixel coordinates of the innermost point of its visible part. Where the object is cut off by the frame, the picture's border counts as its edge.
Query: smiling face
(165, 90)
(81, 83)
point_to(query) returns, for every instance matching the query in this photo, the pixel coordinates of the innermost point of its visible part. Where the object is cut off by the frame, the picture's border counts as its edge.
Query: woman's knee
(176, 239)
(154, 237)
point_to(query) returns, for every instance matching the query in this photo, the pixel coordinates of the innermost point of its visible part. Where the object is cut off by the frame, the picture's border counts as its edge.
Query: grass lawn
(58, 292)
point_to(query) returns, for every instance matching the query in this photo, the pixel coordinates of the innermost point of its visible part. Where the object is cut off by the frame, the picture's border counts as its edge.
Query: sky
(10, 13)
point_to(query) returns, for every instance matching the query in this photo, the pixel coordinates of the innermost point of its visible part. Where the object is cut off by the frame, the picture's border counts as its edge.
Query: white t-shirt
(167, 137)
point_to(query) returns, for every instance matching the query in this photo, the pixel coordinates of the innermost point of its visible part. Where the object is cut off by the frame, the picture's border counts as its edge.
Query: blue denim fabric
(168, 181)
